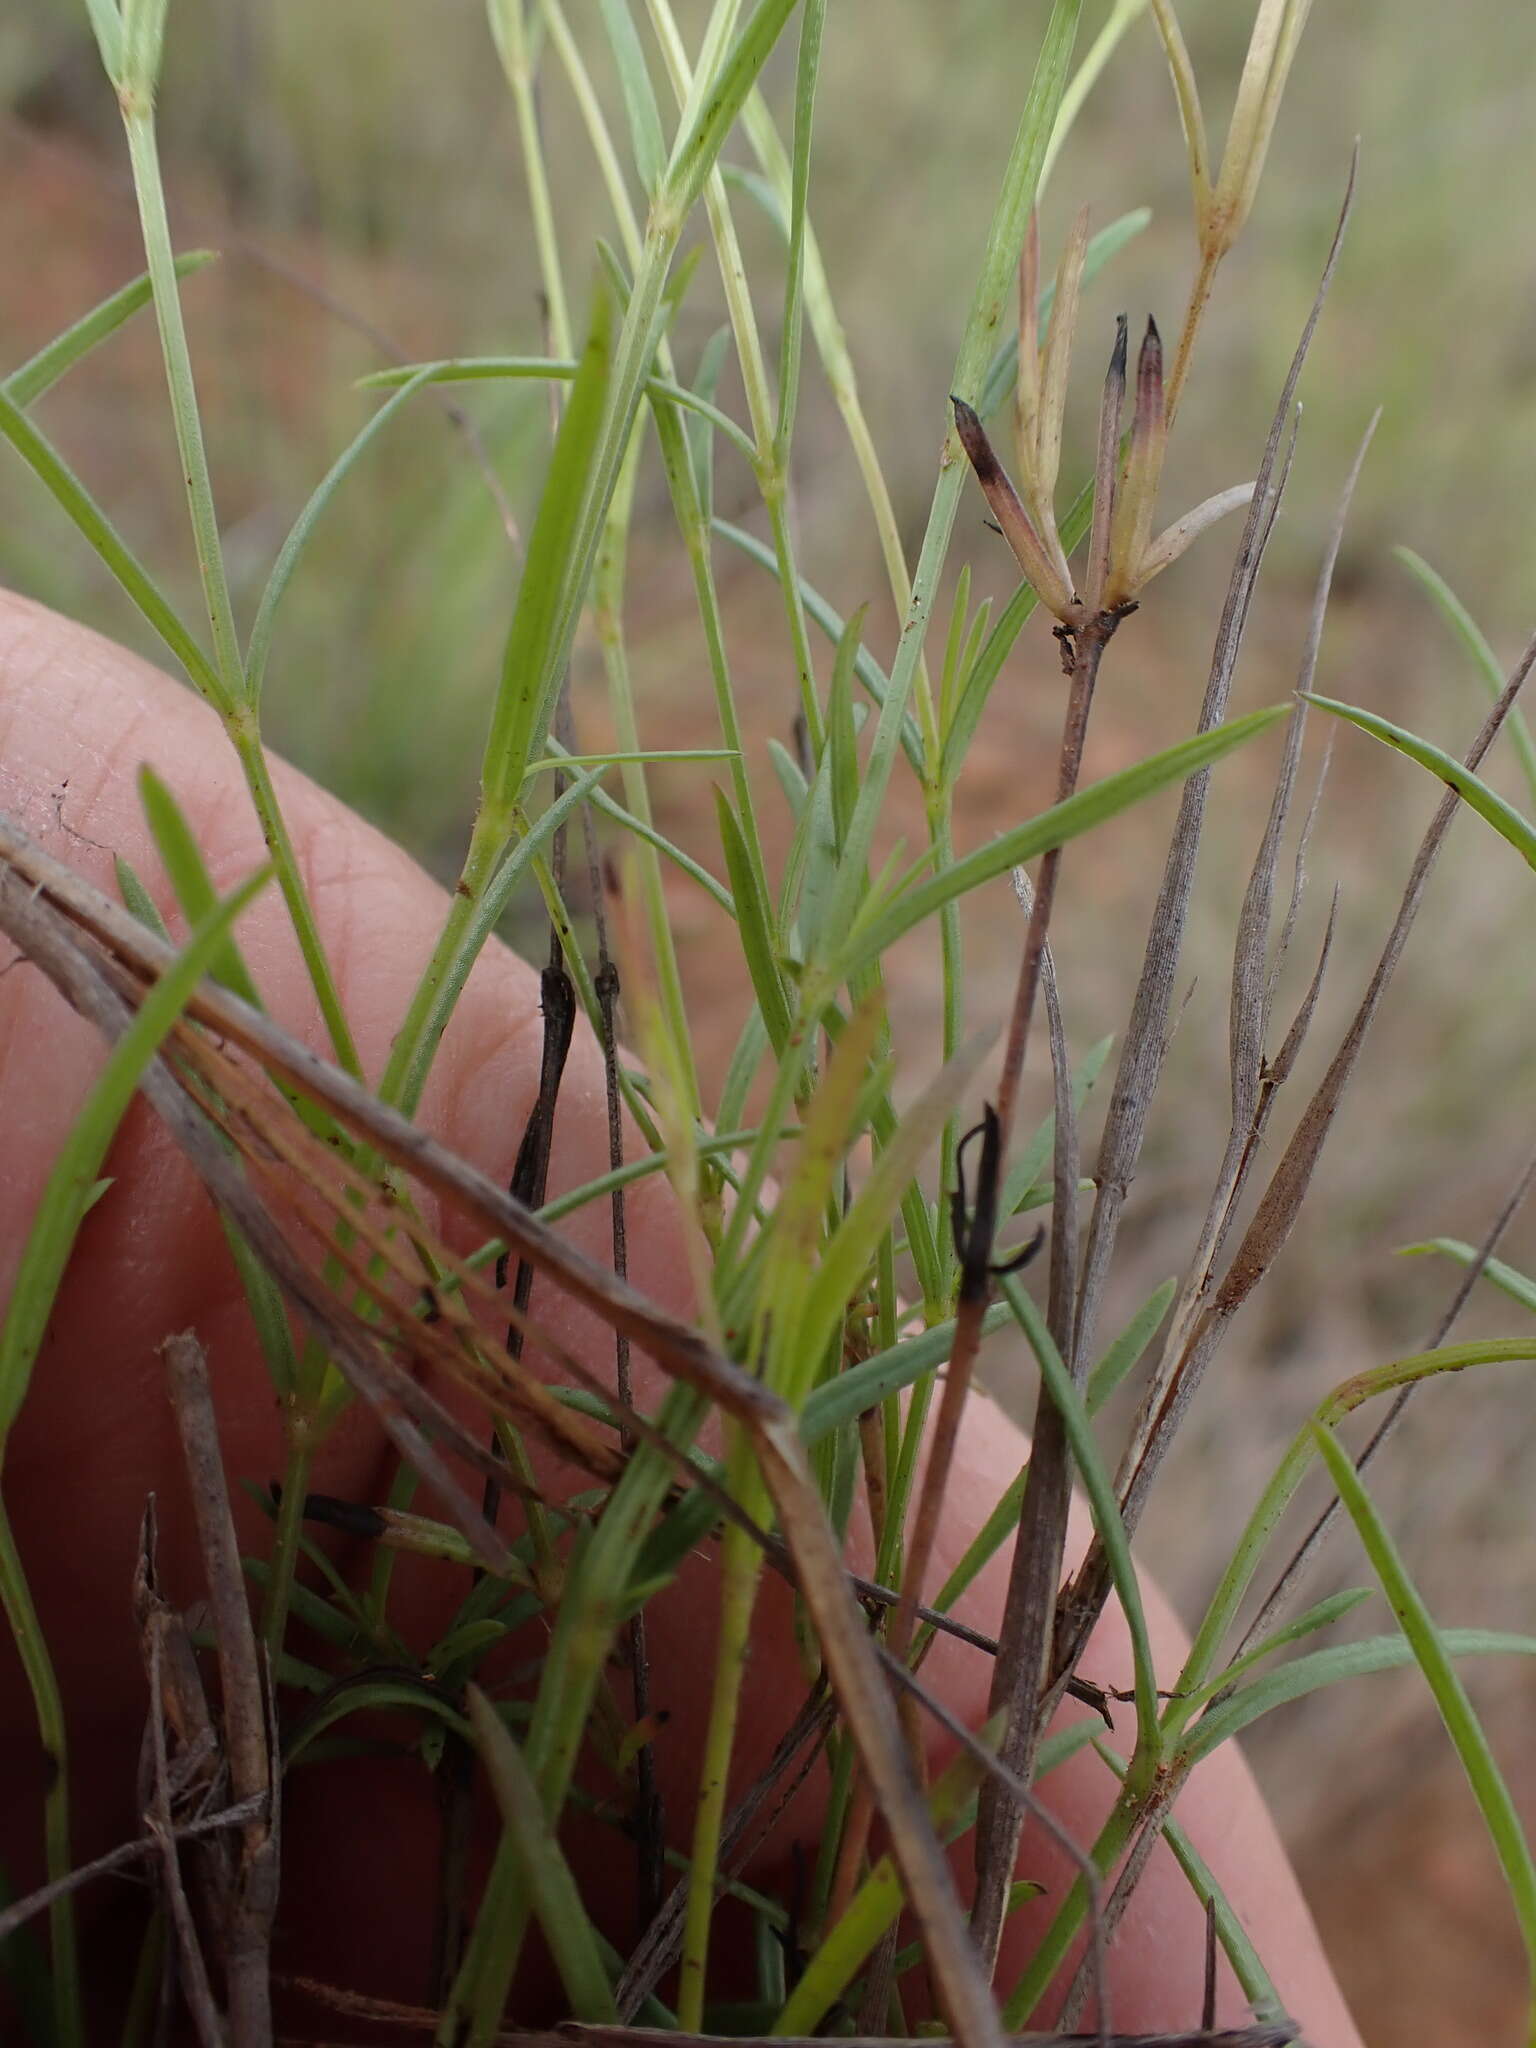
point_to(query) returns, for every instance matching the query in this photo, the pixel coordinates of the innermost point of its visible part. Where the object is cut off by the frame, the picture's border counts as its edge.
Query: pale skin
(77, 717)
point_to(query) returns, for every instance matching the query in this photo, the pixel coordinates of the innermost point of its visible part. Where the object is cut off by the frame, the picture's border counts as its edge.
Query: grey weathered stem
(1024, 1639)
(1271, 1224)
(1141, 1057)
(248, 1912)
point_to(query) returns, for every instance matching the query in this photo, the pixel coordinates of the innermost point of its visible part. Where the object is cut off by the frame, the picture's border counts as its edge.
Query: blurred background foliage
(356, 163)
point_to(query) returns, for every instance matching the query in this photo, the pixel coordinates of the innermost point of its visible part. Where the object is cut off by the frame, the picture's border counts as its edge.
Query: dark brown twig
(176, 1707)
(123, 1857)
(1023, 1795)
(1035, 1573)
(247, 1911)
(659, 1946)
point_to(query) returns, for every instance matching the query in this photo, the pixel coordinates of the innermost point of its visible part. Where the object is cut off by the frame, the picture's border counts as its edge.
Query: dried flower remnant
(1222, 206)
(1123, 556)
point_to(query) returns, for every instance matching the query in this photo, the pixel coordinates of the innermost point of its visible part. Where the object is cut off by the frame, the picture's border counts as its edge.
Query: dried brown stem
(1252, 982)
(123, 1857)
(245, 1921)
(176, 1707)
(1276, 1214)
(659, 1947)
(1142, 1053)
(1024, 1639)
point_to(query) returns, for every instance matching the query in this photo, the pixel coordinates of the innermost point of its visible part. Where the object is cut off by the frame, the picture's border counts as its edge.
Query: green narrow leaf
(182, 858)
(1322, 1615)
(137, 900)
(753, 924)
(833, 794)
(848, 1252)
(875, 1379)
(45, 462)
(1127, 1348)
(807, 68)
(1090, 807)
(693, 156)
(367, 1696)
(1344, 1661)
(1518, 1286)
(875, 1906)
(1475, 641)
(1257, 1985)
(639, 758)
(77, 1166)
(791, 776)
(642, 829)
(483, 920)
(531, 667)
(546, 1875)
(41, 372)
(640, 109)
(1247, 1967)
(1499, 1812)
(1489, 805)
(260, 644)
(482, 369)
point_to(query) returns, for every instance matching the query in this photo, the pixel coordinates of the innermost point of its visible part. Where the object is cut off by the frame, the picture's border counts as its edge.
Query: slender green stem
(405, 1072)
(772, 457)
(598, 133)
(233, 699)
(274, 831)
(49, 1705)
(283, 1560)
(1049, 1956)
(143, 156)
(740, 1569)
(608, 620)
(511, 34)
(837, 367)
(695, 531)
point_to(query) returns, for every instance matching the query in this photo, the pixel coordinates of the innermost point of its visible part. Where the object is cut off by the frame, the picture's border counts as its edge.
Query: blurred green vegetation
(359, 165)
